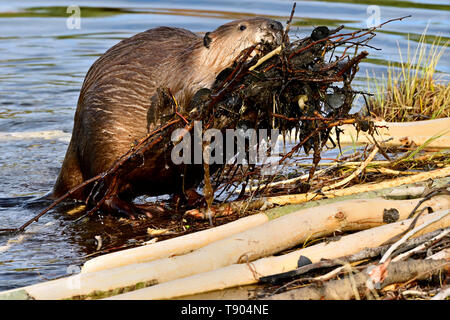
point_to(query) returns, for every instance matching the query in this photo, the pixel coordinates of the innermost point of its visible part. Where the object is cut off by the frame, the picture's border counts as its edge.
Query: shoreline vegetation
(412, 89)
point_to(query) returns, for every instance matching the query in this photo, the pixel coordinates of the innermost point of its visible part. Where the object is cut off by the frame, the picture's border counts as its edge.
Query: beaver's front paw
(118, 207)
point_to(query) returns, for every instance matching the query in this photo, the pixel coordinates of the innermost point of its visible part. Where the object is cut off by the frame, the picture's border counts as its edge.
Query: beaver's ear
(207, 40)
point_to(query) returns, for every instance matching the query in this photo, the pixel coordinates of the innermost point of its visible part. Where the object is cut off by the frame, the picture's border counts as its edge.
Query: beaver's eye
(242, 28)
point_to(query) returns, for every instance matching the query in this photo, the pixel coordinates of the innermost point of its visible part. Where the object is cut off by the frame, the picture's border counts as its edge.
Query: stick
(266, 57)
(344, 289)
(375, 189)
(300, 198)
(355, 173)
(441, 215)
(443, 294)
(345, 164)
(288, 24)
(421, 247)
(54, 204)
(366, 253)
(390, 171)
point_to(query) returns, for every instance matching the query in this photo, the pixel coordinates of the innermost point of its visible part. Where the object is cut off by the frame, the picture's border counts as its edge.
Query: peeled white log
(172, 247)
(402, 133)
(304, 197)
(269, 238)
(245, 274)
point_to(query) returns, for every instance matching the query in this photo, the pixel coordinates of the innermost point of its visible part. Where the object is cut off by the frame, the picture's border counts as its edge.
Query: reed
(412, 90)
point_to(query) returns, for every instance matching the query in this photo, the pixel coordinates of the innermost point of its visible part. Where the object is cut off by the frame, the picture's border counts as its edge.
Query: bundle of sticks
(303, 85)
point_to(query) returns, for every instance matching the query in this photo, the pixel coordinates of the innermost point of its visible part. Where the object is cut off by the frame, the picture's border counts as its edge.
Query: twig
(54, 204)
(288, 24)
(423, 246)
(363, 255)
(352, 62)
(344, 289)
(355, 173)
(441, 215)
(266, 57)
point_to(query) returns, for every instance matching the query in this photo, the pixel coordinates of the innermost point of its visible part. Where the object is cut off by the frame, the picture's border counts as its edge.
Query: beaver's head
(203, 61)
(226, 42)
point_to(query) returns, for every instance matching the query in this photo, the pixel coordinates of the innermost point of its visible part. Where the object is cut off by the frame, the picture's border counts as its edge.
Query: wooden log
(408, 235)
(355, 285)
(245, 274)
(402, 133)
(172, 247)
(274, 52)
(184, 244)
(345, 163)
(304, 197)
(354, 192)
(422, 246)
(269, 238)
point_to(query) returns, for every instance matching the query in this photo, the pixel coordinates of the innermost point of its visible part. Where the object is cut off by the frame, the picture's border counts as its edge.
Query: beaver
(118, 89)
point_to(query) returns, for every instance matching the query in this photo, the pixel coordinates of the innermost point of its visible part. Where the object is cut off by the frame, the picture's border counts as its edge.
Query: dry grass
(412, 91)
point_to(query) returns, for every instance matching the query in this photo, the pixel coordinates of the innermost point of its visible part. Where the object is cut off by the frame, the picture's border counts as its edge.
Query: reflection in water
(42, 66)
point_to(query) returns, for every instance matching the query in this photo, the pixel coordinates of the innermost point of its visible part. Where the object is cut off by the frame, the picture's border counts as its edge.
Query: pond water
(43, 60)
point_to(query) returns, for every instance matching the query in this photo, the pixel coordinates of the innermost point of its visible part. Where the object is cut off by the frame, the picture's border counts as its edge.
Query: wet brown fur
(117, 90)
